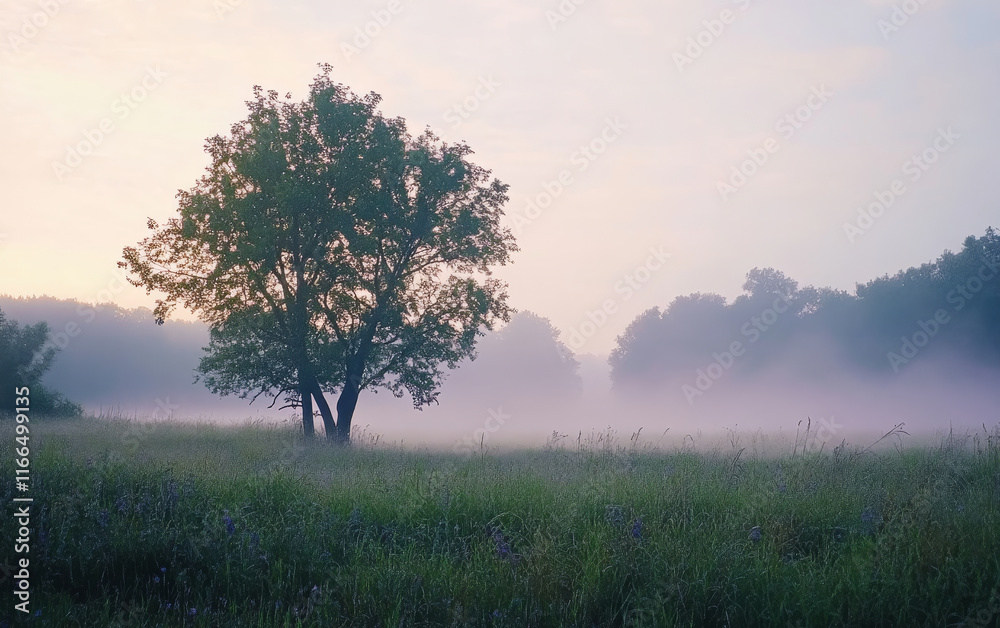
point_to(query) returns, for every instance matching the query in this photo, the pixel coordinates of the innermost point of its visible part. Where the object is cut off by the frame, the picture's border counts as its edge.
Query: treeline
(946, 308)
(25, 355)
(107, 357)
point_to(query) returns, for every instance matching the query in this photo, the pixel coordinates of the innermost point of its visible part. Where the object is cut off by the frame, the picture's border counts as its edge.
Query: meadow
(171, 524)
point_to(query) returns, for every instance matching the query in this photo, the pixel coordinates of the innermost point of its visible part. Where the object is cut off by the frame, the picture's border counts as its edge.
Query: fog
(527, 388)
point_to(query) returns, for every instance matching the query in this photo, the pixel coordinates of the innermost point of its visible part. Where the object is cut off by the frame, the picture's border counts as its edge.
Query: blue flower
(192, 612)
(230, 526)
(156, 580)
(755, 534)
(102, 518)
(163, 570)
(637, 529)
(38, 613)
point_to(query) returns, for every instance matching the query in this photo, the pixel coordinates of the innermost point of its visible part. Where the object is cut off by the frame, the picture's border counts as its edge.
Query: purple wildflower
(755, 534)
(192, 612)
(637, 529)
(230, 526)
(121, 504)
(102, 518)
(156, 580)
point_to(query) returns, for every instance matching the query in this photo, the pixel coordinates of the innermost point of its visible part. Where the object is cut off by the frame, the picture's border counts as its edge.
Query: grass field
(180, 525)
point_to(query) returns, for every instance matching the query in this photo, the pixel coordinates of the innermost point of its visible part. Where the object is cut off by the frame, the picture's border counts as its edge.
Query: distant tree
(24, 358)
(768, 282)
(331, 252)
(864, 327)
(523, 361)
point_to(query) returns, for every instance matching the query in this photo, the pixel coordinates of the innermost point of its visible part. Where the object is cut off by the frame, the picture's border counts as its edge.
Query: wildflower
(121, 504)
(637, 529)
(505, 550)
(254, 540)
(102, 518)
(38, 613)
(163, 570)
(755, 534)
(230, 526)
(496, 614)
(192, 612)
(156, 580)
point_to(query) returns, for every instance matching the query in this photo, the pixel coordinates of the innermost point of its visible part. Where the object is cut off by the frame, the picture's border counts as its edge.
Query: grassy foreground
(172, 525)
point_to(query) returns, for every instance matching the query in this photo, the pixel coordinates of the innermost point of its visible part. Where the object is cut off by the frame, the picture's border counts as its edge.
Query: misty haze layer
(921, 347)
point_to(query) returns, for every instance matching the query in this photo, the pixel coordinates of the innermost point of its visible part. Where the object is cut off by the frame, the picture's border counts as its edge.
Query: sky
(652, 148)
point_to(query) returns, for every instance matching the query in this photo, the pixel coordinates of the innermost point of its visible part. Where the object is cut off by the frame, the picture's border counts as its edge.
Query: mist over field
(506, 314)
(526, 384)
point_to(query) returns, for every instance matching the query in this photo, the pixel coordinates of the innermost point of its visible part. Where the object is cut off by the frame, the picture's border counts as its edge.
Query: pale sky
(140, 84)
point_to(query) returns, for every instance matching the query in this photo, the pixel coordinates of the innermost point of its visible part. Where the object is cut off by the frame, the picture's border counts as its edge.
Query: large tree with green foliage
(331, 252)
(25, 356)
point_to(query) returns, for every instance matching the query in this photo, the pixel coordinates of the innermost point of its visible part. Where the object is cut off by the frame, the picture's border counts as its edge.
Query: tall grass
(167, 524)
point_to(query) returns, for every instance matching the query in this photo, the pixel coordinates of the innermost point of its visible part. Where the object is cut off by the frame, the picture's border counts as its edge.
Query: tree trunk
(324, 409)
(345, 408)
(307, 409)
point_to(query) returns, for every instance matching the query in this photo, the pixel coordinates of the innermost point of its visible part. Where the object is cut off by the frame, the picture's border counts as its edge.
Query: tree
(24, 358)
(769, 283)
(331, 252)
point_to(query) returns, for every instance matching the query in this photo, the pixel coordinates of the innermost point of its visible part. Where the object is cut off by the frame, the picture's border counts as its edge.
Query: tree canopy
(24, 357)
(331, 252)
(955, 300)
